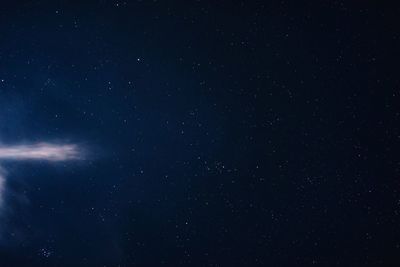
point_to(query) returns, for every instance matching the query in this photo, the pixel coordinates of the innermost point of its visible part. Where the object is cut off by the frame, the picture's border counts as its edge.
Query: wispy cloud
(41, 151)
(52, 152)
(2, 183)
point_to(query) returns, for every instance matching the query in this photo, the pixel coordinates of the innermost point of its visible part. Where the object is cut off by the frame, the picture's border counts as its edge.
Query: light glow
(39, 151)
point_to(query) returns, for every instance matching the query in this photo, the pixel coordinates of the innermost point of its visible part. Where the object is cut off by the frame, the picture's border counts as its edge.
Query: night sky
(214, 133)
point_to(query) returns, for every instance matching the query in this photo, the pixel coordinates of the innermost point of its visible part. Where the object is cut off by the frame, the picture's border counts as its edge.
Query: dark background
(254, 133)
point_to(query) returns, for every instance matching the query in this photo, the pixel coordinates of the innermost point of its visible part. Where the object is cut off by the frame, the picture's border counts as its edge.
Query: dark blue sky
(245, 133)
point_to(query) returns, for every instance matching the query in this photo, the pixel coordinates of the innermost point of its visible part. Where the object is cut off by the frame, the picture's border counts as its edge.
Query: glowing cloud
(40, 151)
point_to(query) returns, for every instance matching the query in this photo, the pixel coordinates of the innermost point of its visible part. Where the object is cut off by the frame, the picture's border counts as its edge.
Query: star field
(247, 133)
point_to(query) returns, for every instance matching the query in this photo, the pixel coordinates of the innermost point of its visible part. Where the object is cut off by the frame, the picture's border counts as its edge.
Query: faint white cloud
(2, 185)
(41, 151)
